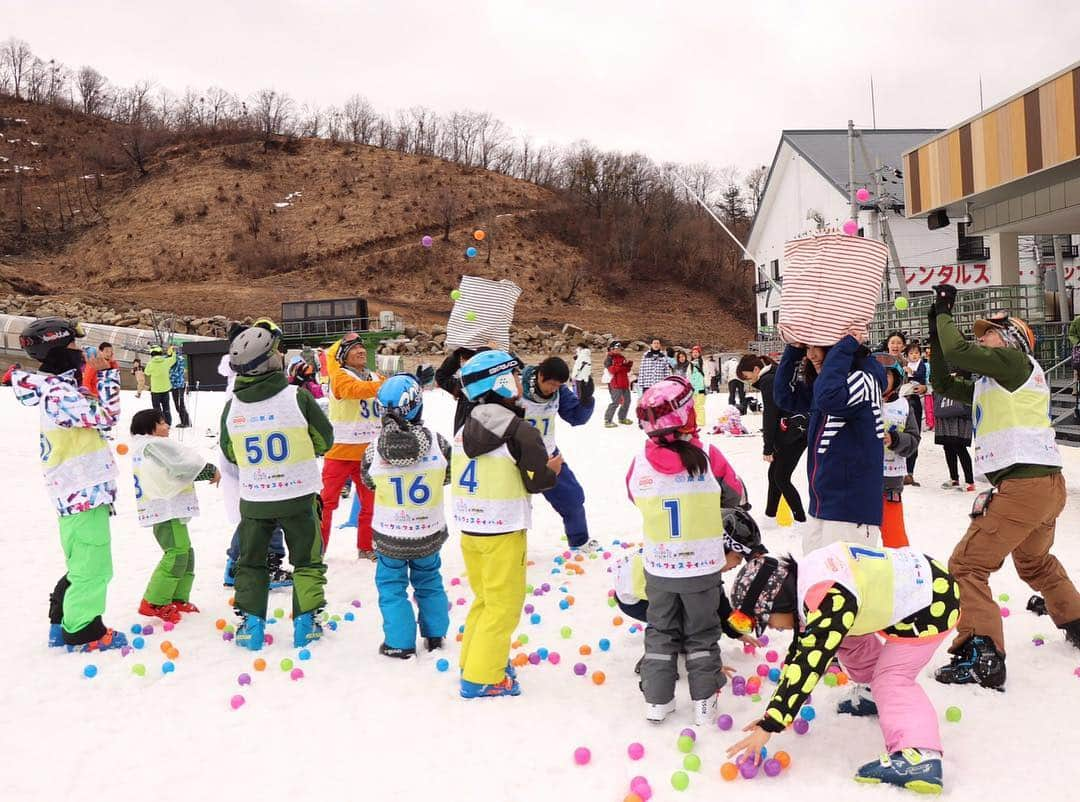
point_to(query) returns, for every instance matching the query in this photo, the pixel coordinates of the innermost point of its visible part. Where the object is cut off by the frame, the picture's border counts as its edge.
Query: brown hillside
(236, 229)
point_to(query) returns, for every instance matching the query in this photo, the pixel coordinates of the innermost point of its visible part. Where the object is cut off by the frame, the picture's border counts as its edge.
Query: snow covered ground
(359, 726)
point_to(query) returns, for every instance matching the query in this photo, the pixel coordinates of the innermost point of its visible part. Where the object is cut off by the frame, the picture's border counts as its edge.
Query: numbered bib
(409, 500)
(488, 494)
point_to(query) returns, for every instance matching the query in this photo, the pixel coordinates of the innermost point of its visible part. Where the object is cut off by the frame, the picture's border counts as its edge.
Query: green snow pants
(303, 540)
(88, 556)
(172, 579)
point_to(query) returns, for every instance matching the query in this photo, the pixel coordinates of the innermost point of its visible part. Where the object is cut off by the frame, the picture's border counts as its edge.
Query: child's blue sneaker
(510, 670)
(56, 635)
(908, 768)
(251, 632)
(858, 702)
(110, 640)
(306, 629)
(477, 690)
(230, 573)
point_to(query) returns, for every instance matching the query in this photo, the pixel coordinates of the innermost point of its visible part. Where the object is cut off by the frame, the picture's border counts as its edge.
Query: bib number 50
(274, 447)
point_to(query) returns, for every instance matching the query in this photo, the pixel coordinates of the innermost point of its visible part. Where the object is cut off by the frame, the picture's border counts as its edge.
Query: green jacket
(1008, 366)
(251, 389)
(1074, 331)
(157, 371)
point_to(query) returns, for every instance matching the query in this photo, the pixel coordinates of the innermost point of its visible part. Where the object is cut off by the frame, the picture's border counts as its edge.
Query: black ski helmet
(46, 333)
(741, 533)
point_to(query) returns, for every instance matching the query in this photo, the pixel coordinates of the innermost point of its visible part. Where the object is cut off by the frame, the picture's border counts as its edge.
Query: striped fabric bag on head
(484, 312)
(831, 283)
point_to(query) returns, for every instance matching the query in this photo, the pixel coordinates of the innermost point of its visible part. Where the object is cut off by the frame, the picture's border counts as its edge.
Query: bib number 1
(674, 522)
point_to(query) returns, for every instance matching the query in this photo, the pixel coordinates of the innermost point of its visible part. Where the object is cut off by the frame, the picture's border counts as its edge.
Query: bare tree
(16, 58)
(755, 185)
(311, 120)
(273, 112)
(360, 119)
(92, 90)
(219, 105)
(447, 210)
(142, 131)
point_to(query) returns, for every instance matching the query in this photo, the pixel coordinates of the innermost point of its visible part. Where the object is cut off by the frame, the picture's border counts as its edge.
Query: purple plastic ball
(580, 669)
(148, 629)
(689, 733)
(226, 636)
(534, 658)
(529, 609)
(545, 587)
(355, 602)
(244, 679)
(748, 770)
(773, 767)
(764, 640)
(725, 722)
(801, 726)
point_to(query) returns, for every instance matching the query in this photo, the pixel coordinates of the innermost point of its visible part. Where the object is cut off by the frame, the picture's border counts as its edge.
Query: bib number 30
(274, 447)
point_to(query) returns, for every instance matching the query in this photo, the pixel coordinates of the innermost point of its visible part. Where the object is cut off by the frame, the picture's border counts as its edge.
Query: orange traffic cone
(783, 513)
(893, 533)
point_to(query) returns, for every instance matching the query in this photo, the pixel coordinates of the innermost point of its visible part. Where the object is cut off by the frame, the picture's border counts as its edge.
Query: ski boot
(589, 547)
(477, 690)
(185, 606)
(431, 644)
(978, 661)
(1037, 604)
(705, 711)
(1072, 632)
(625, 421)
(110, 640)
(610, 425)
(166, 612)
(657, 713)
(279, 577)
(400, 654)
(56, 635)
(306, 630)
(908, 768)
(230, 573)
(251, 632)
(858, 702)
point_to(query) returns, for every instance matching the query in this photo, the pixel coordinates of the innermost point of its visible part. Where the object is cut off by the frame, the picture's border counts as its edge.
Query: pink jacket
(667, 461)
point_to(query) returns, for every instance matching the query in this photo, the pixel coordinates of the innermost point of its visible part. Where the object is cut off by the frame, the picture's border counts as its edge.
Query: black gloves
(944, 298)
(586, 390)
(425, 374)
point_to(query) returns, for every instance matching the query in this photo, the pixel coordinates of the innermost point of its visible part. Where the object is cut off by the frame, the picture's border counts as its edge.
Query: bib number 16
(419, 493)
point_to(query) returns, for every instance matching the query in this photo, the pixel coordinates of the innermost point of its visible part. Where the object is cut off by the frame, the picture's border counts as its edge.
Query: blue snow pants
(392, 579)
(568, 499)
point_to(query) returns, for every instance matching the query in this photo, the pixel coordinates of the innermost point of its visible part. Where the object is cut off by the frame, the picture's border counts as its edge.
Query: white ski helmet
(253, 351)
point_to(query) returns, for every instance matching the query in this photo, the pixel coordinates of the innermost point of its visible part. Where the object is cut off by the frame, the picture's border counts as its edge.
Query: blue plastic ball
(604, 644)
(332, 625)
(559, 560)
(304, 654)
(136, 629)
(543, 653)
(461, 629)
(349, 617)
(555, 571)
(774, 675)
(167, 667)
(89, 671)
(470, 252)
(442, 664)
(564, 604)
(534, 618)
(138, 643)
(808, 713)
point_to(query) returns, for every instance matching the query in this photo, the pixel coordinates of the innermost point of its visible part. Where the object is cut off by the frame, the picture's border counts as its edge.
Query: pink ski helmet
(668, 407)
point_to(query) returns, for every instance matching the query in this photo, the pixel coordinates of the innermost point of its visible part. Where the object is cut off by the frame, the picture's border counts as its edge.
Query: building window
(776, 317)
(763, 319)
(775, 267)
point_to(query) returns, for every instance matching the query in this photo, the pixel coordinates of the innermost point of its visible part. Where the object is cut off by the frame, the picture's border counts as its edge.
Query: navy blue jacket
(845, 458)
(571, 409)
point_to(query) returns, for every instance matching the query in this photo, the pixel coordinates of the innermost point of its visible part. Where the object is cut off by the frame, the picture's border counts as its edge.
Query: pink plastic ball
(851, 228)
(426, 241)
(748, 648)
(771, 656)
(862, 194)
(640, 786)
(636, 751)
(553, 658)
(582, 755)
(461, 602)
(1004, 612)
(762, 670)
(236, 702)
(168, 626)
(296, 673)
(268, 639)
(455, 581)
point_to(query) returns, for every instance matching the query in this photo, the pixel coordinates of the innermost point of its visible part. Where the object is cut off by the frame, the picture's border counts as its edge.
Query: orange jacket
(89, 378)
(345, 384)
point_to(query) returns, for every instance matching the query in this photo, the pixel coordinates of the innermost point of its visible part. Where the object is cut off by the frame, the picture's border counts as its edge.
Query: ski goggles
(668, 406)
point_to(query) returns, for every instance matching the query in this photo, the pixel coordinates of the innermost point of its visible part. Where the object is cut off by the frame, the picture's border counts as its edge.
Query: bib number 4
(467, 479)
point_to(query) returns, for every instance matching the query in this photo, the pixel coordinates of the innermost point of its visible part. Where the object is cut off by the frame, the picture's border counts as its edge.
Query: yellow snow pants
(495, 565)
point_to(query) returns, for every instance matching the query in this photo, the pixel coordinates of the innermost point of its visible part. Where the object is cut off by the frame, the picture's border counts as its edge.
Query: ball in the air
(470, 316)
(455, 294)
(901, 303)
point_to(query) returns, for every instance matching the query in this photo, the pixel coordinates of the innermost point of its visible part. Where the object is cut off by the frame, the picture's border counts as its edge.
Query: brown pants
(1019, 521)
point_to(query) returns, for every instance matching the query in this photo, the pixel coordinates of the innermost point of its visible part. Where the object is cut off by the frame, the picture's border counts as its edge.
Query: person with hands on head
(839, 389)
(157, 371)
(838, 600)
(1015, 447)
(619, 387)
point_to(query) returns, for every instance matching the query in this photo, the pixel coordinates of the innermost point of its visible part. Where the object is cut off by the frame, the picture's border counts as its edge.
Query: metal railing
(1049, 250)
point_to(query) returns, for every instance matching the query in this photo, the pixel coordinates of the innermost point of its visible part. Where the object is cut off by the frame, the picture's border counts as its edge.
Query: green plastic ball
(470, 316)
(680, 781)
(755, 697)
(279, 613)
(455, 294)
(830, 680)
(1004, 597)
(286, 664)
(611, 601)
(685, 743)
(139, 670)
(691, 763)
(523, 638)
(901, 303)
(953, 714)
(566, 632)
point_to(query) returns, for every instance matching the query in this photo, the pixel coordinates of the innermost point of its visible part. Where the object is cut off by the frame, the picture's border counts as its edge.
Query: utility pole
(854, 212)
(873, 105)
(886, 232)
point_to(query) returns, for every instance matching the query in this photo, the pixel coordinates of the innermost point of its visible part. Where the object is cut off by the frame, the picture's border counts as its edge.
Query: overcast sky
(683, 81)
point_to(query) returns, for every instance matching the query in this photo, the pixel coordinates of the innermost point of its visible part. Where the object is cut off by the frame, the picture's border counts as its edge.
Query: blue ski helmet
(401, 393)
(490, 372)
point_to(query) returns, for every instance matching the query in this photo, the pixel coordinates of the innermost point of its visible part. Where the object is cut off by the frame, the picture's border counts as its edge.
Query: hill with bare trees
(208, 204)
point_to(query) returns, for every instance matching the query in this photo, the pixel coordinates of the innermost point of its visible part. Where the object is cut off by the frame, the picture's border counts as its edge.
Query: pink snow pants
(905, 713)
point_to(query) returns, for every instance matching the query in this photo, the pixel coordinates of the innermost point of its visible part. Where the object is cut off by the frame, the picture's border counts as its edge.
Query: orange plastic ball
(232, 601)
(260, 664)
(478, 235)
(166, 646)
(515, 645)
(578, 558)
(458, 638)
(220, 623)
(598, 677)
(783, 758)
(570, 600)
(172, 654)
(632, 797)
(617, 621)
(585, 650)
(729, 771)
(121, 448)
(841, 678)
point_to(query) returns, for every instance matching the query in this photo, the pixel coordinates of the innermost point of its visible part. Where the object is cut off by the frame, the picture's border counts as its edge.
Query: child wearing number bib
(498, 460)
(406, 471)
(679, 489)
(274, 432)
(357, 418)
(882, 613)
(164, 474)
(901, 437)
